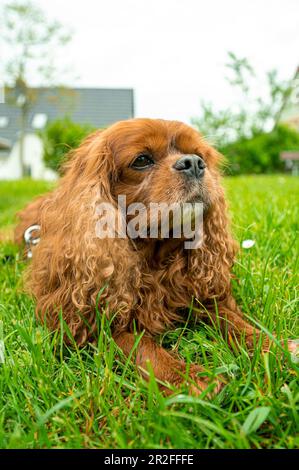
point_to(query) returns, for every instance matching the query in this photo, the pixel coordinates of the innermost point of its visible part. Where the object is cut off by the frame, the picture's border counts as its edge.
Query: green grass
(52, 396)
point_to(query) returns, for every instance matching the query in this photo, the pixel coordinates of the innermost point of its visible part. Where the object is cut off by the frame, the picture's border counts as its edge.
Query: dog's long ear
(71, 265)
(210, 264)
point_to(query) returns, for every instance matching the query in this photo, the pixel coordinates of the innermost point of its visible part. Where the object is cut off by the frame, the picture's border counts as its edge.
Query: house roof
(98, 107)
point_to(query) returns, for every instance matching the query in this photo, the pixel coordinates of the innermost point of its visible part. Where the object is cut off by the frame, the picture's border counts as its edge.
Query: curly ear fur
(205, 273)
(210, 265)
(71, 265)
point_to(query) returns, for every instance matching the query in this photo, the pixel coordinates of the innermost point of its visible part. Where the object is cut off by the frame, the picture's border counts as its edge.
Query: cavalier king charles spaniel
(145, 285)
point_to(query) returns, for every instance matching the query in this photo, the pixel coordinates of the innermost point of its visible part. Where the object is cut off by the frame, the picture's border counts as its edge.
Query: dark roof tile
(99, 107)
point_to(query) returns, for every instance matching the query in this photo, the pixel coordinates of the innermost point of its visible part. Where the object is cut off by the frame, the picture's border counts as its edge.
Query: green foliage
(261, 153)
(250, 114)
(31, 39)
(54, 396)
(246, 132)
(61, 136)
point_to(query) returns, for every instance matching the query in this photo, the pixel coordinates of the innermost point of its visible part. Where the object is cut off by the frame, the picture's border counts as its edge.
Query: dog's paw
(195, 382)
(198, 384)
(292, 345)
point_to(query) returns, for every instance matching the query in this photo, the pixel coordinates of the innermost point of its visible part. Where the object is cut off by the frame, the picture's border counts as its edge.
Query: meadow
(56, 396)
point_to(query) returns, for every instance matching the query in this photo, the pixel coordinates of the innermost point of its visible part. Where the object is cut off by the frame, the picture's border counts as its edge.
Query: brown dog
(149, 281)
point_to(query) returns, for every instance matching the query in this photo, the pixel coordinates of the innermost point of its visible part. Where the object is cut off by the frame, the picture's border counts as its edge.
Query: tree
(261, 152)
(253, 115)
(30, 38)
(59, 138)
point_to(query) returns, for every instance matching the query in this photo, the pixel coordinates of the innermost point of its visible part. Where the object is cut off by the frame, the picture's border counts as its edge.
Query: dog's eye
(142, 162)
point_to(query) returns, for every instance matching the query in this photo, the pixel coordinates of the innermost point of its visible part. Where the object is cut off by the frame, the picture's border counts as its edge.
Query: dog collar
(30, 240)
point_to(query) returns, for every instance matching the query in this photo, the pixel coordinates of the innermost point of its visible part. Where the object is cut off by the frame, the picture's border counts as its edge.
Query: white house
(10, 167)
(98, 107)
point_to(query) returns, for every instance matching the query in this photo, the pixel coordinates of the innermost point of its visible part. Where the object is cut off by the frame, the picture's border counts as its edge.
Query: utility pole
(22, 103)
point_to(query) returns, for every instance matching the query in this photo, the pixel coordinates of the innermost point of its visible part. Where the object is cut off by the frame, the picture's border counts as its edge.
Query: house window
(3, 121)
(39, 120)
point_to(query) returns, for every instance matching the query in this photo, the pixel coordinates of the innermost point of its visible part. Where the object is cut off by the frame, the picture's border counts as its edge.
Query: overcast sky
(173, 52)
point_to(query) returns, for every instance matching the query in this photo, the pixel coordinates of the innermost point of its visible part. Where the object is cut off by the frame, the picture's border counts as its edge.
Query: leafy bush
(249, 113)
(61, 136)
(260, 153)
(246, 132)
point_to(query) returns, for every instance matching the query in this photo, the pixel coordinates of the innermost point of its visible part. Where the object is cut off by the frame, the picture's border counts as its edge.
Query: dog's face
(163, 162)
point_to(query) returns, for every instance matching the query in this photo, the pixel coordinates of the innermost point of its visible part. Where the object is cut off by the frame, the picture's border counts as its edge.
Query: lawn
(52, 396)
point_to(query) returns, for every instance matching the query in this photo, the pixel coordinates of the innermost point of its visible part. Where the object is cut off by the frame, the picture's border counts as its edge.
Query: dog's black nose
(192, 166)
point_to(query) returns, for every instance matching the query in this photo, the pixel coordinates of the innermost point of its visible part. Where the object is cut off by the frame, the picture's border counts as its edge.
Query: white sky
(173, 52)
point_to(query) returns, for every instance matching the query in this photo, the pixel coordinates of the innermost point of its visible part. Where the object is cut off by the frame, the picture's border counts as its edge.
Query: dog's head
(161, 161)
(149, 161)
